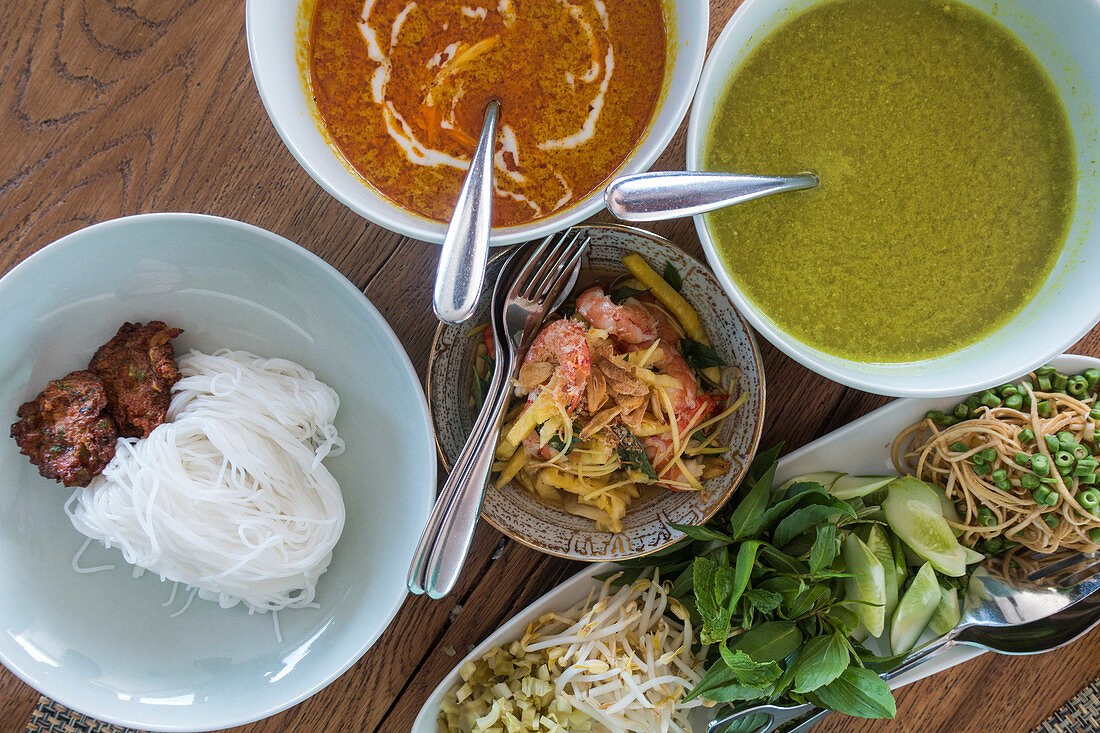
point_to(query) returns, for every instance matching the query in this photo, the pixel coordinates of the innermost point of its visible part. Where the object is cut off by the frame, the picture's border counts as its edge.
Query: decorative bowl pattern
(550, 529)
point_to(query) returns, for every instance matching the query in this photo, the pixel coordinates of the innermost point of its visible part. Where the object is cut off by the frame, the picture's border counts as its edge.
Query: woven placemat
(53, 717)
(1079, 715)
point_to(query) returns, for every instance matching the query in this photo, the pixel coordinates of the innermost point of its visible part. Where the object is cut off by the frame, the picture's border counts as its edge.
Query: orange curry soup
(402, 85)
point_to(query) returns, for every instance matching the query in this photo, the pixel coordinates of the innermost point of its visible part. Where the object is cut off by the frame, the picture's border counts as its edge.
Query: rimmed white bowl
(1063, 37)
(275, 29)
(103, 644)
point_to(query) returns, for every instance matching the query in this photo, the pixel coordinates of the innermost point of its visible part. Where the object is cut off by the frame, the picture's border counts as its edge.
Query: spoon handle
(670, 194)
(465, 253)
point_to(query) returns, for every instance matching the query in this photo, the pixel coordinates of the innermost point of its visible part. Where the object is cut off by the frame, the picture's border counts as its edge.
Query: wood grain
(117, 107)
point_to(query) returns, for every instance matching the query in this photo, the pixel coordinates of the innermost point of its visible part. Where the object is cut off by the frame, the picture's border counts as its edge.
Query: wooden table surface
(118, 107)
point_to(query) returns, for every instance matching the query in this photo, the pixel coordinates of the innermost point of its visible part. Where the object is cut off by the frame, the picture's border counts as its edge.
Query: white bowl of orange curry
(382, 101)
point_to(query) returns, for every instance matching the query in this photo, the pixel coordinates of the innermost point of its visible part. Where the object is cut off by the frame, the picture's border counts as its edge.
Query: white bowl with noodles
(1063, 37)
(548, 527)
(276, 30)
(104, 643)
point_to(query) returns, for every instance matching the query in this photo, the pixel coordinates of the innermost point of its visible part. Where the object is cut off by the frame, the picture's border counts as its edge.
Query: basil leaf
(771, 641)
(809, 599)
(782, 562)
(672, 277)
(747, 671)
(801, 520)
(822, 661)
(748, 518)
(859, 692)
(746, 561)
(793, 499)
(700, 532)
(621, 293)
(699, 356)
(719, 684)
(824, 548)
(763, 461)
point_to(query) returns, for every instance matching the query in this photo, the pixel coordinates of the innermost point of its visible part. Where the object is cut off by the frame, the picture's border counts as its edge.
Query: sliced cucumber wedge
(914, 513)
(866, 586)
(915, 610)
(879, 545)
(946, 616)
(973, 556)
(899, 559)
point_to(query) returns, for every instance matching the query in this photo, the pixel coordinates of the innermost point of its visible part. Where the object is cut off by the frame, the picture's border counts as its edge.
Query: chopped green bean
(1063, 458)
(1046, 369)
(1014, 402)
(961, 411)
(1043, 380)
(1045, 408)
(1022, 459)
(1090, 499)
(1026, 435)
(988, 455)
(1029, 481)
(1040, 464)
(990, 399)
(999, 475)
(1077, 387)
(936, 416)
(1051, 520)
(1059, 381)
(981, 469)
(958, 447)
(1092, 376)
(1052, 443)
(1094, 534)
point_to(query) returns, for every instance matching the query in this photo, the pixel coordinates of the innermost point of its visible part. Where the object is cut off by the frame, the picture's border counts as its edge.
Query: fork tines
(554, 257)
(1076, 568)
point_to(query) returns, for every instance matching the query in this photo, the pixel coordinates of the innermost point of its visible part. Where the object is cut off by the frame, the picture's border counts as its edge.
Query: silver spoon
(465, 253)
(1000, 616)
(671, 194)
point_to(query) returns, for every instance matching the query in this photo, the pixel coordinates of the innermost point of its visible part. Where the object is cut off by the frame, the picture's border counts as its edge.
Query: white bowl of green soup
(952, 243)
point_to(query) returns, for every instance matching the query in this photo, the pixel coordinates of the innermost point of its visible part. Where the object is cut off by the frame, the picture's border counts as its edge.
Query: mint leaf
(764, 601)
(749, 672)
(822, 660)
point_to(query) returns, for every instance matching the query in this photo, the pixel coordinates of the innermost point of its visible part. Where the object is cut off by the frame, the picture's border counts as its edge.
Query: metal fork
(993, 607)
(1071, 574)
(533, 283)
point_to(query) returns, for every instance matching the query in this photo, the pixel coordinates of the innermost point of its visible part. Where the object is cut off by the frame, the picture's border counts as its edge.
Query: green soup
(947, 177)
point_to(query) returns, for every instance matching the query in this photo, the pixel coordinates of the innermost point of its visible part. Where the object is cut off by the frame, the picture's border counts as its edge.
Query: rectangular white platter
(860, 447)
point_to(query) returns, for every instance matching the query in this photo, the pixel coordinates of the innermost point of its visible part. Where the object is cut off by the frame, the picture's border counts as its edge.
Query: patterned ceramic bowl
(549, 528)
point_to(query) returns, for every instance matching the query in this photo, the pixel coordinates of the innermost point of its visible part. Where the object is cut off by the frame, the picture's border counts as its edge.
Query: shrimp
(563, 345)
(659, 450)
(637, 327)
(629, 324)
